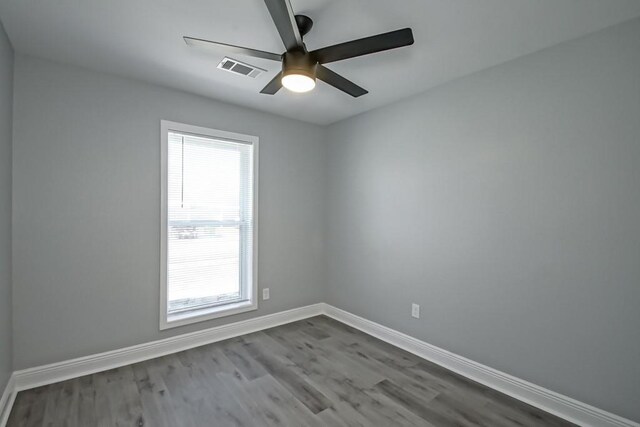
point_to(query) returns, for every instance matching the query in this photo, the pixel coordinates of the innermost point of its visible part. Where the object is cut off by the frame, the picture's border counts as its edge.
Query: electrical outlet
(415, 310)
(265, 294)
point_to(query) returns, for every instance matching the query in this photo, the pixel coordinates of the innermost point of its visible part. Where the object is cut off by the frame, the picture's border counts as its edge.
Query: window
(208, 245)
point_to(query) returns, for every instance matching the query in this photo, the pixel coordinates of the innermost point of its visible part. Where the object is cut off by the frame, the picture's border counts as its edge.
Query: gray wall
(6, 106)
(87, 203)
(507, 204)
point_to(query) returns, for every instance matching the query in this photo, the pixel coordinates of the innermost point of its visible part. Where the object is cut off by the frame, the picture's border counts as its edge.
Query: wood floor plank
(386, 368)
(462, 411)
(173, 375)
(297, 385)
(118, 397)
(354, 401)
(86, 401)
(215, 401)
(315, 372)
(342, 415)
(414, 404)
(349, 335)
(318, 333)
(513, 412)
(28, 408)
(249, 367)
(318, 351)
(253, 402)
(376, 409)
(62, 404)
(155, 398)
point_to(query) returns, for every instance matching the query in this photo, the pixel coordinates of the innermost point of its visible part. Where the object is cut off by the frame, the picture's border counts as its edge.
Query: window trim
(179, 319)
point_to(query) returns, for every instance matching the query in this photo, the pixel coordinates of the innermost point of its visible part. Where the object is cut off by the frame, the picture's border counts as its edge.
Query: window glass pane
(209, 205)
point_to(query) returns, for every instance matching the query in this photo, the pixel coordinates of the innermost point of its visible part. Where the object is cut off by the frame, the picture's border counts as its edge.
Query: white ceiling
(143, 39)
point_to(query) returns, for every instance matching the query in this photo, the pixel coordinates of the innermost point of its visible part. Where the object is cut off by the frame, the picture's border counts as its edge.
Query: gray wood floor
(316, 372)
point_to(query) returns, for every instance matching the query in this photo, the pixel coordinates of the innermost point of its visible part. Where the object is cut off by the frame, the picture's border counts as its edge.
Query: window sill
(195, 316)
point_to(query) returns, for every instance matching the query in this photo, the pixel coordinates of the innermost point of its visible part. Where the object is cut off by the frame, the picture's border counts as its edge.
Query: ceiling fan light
(298, 82)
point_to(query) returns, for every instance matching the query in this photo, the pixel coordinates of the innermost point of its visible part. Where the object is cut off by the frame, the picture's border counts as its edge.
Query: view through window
(209, 222)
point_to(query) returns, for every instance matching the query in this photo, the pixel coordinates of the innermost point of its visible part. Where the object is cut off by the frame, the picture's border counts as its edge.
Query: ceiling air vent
(242, 68)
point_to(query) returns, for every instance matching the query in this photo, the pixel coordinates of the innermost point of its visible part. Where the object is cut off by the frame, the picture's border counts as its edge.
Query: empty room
(319, 213)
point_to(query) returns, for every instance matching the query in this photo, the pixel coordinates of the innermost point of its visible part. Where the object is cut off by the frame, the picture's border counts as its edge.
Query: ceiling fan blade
(239, 50)
(339, 82)
(364, 46)
(273, 86)
(282, 15)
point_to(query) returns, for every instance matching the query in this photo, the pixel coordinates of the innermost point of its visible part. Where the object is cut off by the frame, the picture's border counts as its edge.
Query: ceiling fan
(300, 68)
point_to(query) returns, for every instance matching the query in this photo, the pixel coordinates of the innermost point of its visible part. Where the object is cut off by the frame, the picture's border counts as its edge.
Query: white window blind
(209, 208)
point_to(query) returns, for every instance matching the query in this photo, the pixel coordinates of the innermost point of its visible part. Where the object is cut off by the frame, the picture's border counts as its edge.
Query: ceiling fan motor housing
(298, 62)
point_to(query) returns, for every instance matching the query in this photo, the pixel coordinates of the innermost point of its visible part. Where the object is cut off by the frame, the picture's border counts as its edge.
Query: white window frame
(179, 319)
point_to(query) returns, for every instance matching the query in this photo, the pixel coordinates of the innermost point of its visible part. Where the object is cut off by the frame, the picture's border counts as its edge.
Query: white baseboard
(60, 371)
(6, 400)
(557, 404)
(547, 400)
